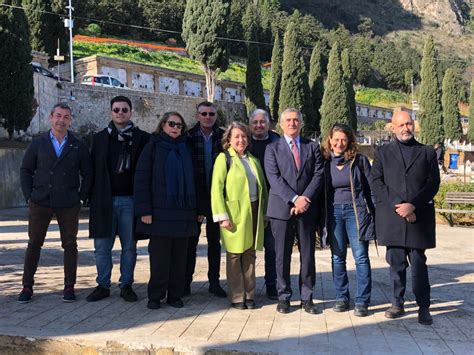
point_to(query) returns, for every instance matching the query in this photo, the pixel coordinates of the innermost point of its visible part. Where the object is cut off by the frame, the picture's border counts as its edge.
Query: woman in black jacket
(165, 202)
(349, 215)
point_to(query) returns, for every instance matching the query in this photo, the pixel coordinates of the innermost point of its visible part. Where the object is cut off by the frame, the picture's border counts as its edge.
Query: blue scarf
(180, 191)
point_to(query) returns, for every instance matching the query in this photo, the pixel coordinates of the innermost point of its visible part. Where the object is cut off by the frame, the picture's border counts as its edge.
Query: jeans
(122, 224)
(343, 229)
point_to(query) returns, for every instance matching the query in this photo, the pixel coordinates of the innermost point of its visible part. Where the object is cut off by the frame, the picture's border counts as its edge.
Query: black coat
(170, 218)
(100, 219)
(417, 183)
(53, 181)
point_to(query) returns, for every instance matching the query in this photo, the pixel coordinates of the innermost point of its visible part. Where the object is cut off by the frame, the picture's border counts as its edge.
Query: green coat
(234, 203)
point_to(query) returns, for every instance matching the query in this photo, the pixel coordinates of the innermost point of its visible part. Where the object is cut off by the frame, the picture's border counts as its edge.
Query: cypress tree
(452, 121)
(334, 108)
(470, 130)
(294, 91)
(254, 97)
(316, 82)
(203, 26)
(277, 59)
(16, 75)
(347, 72)
(430, 116)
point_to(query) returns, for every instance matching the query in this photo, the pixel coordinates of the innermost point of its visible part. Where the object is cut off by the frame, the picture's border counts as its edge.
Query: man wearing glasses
(115, 153)
(205, 138)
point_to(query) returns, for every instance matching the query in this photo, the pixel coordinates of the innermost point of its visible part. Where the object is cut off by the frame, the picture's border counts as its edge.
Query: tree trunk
(211, 82)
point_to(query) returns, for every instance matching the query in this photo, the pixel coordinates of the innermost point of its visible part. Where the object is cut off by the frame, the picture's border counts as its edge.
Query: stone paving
(207, 323)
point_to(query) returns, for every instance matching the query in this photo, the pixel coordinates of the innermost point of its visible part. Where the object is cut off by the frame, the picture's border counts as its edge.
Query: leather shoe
(309, 307)
(424, 316)
(340, 306)
(272, 292)
(250, 304)
(239, 305)
(153, 305)
(127, 293)
(361, 310)
(394, 312)
(175, 302)
(217, 290)
(283, 307)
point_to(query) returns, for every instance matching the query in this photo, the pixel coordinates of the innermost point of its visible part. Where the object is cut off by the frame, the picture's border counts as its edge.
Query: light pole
(69, 23)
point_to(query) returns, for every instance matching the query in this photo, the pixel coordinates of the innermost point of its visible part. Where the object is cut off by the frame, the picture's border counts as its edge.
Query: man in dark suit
(115, 153)
(294, 168)
(405, 180)
(50, 176)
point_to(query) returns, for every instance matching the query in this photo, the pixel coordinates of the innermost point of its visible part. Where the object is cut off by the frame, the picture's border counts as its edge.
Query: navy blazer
(286, 181)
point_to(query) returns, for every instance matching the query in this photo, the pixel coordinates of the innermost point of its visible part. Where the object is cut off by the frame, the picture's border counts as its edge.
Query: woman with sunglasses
(165, 202)
(349, 215)
(238, 202)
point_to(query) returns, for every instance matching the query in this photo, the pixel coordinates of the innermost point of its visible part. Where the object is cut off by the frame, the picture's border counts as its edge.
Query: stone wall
(10, 188)
(91, 105)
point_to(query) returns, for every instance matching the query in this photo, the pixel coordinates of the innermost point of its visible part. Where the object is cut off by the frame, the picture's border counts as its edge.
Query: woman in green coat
(239, 202)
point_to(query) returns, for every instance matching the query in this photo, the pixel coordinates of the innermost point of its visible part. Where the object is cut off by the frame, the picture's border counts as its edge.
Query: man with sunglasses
(115, 153)
(205, 138)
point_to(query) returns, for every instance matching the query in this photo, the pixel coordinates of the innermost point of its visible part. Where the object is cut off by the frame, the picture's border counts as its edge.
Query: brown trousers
(240, 269)
(39, 218)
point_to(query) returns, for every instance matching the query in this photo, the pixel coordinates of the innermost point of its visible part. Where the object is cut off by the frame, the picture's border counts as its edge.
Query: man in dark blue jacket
(51, 181)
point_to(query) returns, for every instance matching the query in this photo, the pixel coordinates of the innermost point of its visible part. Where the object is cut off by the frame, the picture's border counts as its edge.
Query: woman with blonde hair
(239, 201)
(349, 215)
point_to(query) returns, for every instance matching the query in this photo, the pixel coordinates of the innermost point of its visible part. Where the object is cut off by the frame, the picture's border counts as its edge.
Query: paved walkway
(207, 323)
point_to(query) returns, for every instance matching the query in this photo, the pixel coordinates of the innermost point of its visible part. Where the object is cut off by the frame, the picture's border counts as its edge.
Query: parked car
(103, 80)
(37, 67)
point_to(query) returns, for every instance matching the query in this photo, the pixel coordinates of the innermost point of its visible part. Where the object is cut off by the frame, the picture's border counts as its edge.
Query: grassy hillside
(236, 71)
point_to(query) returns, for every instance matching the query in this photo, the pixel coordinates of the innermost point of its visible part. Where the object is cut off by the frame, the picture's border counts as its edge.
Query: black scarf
(124, 135)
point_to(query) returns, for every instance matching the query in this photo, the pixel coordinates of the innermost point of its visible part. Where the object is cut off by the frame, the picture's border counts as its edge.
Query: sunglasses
(173, 124)
(211, 114)
(117, 109)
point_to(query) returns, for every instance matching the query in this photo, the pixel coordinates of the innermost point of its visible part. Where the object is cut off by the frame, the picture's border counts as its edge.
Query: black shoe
(361, 310)
(153, 305)
(187, 290)
(340, 306)
(217, 290)
(98, 294)
(394, 312)
(424, 316)
(309, 307)
(250, 304)
(272, 292)
(68, 294)
(175, 302)
(25, 295)
(128, 294)
(283, 307)
(239, 305)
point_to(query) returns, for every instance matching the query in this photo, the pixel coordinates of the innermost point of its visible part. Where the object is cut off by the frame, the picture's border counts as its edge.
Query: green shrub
(93, 30)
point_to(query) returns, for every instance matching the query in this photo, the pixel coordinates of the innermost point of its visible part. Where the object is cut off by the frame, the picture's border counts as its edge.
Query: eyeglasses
(211, 114)
(117, 109)
(173, 124)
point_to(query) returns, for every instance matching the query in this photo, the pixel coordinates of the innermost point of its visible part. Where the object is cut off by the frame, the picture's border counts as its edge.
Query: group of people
(253, 188)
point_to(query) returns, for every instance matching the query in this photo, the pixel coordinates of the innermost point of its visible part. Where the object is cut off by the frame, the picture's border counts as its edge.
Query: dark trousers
(167, 267)
(213, 252)
(399, 258)
(270, 267)
(284, 232)
(39, 218)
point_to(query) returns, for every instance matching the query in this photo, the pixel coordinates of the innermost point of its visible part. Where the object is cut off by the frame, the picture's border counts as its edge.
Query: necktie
(296, 154)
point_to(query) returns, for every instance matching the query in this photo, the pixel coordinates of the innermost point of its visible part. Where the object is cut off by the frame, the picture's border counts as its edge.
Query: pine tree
(254, 97)
(470, 130)
(277, 59)
(347, 72)
(16, 75)
(452, 121)
(294, 91)
(203, 26)
(334, 108)
(316, 82)
(430, 116)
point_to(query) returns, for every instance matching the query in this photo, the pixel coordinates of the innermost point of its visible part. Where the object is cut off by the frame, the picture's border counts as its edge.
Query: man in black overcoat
(405, 180)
